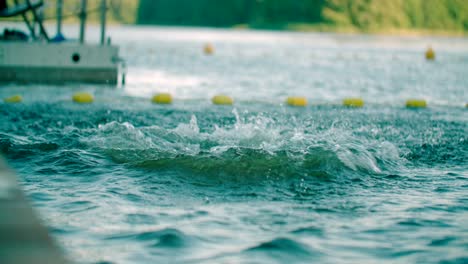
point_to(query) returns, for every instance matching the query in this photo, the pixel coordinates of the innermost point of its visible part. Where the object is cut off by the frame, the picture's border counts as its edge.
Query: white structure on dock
(45, 60)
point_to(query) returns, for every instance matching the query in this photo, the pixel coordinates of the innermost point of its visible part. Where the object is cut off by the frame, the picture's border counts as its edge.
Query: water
(126, 181)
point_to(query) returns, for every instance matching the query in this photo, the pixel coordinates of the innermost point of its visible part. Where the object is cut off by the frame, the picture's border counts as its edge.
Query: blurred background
(373, 16)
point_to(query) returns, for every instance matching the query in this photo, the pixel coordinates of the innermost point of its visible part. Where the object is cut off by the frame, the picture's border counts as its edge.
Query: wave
(252, 146)
(285, 250)
(164, 238)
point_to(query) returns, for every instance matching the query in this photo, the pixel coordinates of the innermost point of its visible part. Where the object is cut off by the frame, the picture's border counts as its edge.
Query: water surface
(126, 181)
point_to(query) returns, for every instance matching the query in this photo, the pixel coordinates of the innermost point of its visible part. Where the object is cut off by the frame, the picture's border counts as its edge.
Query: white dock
(41, 59)
(58, 63)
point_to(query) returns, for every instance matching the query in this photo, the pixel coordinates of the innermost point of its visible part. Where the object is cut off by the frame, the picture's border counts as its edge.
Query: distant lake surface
(123, 180)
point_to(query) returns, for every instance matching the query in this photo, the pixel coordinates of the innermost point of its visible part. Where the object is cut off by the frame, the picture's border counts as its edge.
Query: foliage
(335, 15)
(227, 12)
(363, 15)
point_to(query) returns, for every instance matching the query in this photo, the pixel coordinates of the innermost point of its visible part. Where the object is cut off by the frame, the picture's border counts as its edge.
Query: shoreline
(293, 27)
(326, 28)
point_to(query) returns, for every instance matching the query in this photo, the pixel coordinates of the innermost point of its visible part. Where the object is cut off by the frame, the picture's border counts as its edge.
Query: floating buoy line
(208, 49)
(353, 102)
(13, 99)
(296, 101)
(83, 98)
(416, 103)
(222, 99)
(162, 98)
(430, 54)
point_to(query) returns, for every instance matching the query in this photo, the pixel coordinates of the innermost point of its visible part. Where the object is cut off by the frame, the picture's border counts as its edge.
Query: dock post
(103, 21)
(59, 17)
(82, 20)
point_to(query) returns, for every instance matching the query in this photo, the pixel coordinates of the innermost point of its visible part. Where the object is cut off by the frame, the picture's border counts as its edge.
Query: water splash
(253, 145)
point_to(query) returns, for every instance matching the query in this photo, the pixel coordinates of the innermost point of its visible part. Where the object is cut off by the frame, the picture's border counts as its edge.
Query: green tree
(366, 15)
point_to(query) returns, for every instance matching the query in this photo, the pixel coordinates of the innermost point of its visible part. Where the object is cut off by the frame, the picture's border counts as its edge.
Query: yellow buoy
(430, 54)
(416, 103)
(296, 101)
(83, 98)
(353, 102)
(13, 99)
(208, 49)
(162, 98)
(222, 100)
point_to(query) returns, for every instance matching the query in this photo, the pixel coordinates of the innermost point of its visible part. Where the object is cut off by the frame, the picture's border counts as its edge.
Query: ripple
(78, 206)
(136, 219)
(309, 231)
(408, 252)
(41, 196)
(423, 223)
(165, 238)
(170, 238)
(285, 249)
(461, 260)
(442, 241)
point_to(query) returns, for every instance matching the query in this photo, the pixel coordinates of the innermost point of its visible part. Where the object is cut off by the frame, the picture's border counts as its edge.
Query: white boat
(40, 59)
